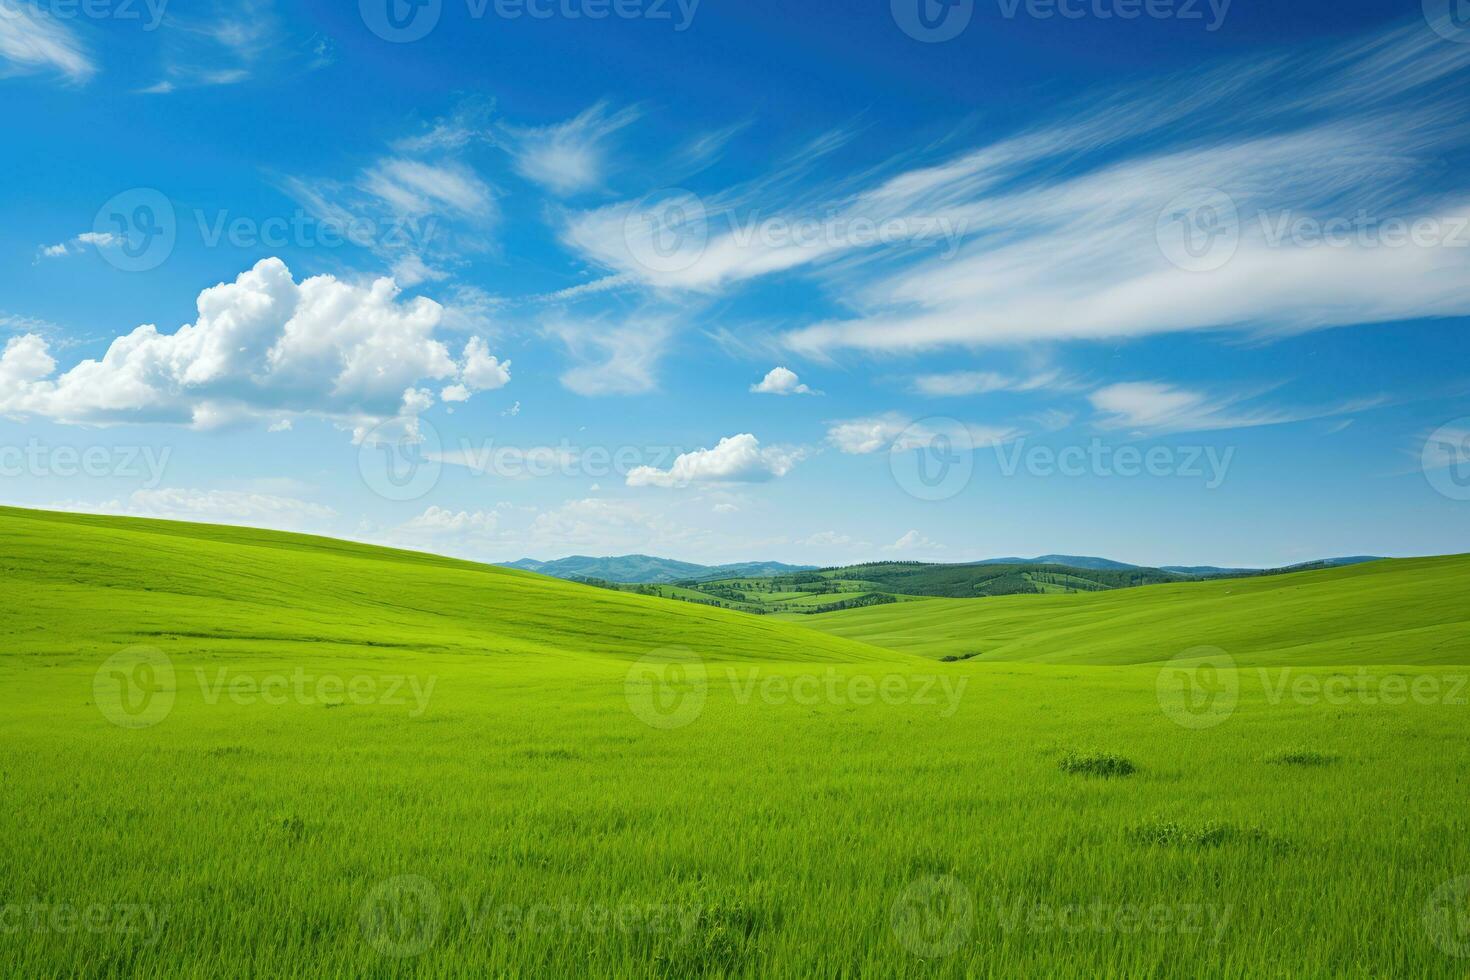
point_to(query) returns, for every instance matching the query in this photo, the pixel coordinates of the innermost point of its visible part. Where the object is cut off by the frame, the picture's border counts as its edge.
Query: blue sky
(1175, 283)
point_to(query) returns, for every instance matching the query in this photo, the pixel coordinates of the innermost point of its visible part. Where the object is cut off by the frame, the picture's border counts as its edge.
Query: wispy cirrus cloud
(895, 431)
(569, 157)
(959, 383)
(226, 44)
(612, 356)
(1063, 232)
(421, 215)
(33, 41)
(1156, 407)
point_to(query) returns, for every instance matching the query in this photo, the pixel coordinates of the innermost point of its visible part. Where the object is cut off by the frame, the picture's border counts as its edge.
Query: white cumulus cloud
(737, 459)
(781, 381)
(261, 345)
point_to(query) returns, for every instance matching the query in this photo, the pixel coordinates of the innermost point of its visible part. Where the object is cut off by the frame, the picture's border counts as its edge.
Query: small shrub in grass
(1105, 764)
(1302, 757)
(1160, 832)
(955, 658)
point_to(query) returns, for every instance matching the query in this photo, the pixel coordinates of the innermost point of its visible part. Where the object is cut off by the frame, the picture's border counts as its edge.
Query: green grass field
(231, 752)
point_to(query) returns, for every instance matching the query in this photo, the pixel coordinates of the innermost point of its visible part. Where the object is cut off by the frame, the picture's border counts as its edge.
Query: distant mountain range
(646, 569)
(650, 570)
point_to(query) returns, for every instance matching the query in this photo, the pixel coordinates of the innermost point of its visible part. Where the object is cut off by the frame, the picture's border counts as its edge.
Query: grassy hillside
(533, 801)
(1413, 611)
(78, 580)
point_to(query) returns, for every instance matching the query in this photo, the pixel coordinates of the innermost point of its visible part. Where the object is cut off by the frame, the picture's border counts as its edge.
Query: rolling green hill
(1408, 611)
(73, 580)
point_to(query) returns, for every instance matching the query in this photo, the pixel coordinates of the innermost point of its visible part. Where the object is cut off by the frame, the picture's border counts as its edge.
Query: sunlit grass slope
(74, 581)
(1410, 611)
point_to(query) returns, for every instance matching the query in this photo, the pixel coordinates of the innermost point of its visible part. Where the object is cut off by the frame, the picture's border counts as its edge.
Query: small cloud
(570, 156)
(781, 381)
(737, 459)
(831, 539)
(411, 270)
(284, 425)
(74, 246)
(438, 520)
(914, 541)
(859, 437)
